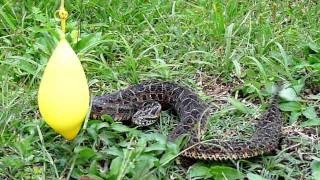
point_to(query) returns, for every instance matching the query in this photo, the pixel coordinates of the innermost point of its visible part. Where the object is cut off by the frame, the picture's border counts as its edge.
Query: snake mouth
(94, 116)
(95, 113)
(96, 108)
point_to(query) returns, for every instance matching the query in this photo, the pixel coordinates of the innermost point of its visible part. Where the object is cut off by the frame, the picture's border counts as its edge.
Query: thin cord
(80, 22)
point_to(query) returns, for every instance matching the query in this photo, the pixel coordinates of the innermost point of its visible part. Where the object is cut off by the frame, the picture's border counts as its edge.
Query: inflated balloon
(64, 94)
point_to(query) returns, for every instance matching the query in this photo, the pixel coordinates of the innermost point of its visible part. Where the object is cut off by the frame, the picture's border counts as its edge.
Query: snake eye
(189, 121)
(96, 108)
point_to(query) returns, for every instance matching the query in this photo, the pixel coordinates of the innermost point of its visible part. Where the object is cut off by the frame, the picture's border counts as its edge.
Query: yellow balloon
(63, 95)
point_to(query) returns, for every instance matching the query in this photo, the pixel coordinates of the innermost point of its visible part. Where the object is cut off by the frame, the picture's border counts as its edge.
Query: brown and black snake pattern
(143, 102)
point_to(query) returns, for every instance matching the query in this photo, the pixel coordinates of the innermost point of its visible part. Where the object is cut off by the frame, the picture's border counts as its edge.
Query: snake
(142, 104)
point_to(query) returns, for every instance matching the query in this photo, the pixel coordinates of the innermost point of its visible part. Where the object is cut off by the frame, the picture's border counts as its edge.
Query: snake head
(97, 108)
(117, 110)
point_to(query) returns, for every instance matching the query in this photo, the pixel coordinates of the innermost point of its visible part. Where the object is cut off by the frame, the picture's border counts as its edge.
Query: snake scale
(142, 104)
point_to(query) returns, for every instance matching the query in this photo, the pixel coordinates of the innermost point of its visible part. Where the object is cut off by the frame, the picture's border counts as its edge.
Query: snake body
(143, 102)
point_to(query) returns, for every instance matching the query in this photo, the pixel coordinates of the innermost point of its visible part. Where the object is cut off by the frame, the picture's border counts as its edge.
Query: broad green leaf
(143, 166)
(313, 59)
(84, 154)
(252, 176)
(120, 127)
(170, 154)
(239, 105)
(105, 138)
(286, 59)
(310, 113)
(88, 42)
(160, 138)
(115, 151)
(155, 147)
(199, 170)
(294, 117)
(92, 132)
(224, 172)
(103, 125)
(94, 167)
(27, 66)
(228, 37)
(290, 106)
(289, 94)
(315, 166)
(299, 85)
(259, 65)
(167, 157)
(237, 66)
(311, 122)
(314, 47)
(115, 167)
(107, 118)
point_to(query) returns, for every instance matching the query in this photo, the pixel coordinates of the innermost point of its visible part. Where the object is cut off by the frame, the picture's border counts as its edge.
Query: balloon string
(63, 14)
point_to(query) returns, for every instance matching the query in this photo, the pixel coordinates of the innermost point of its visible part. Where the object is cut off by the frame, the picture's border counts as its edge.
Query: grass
(229, 52)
